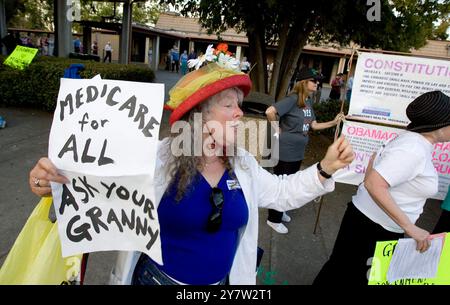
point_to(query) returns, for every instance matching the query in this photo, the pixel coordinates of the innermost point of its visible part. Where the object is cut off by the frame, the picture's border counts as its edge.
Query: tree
(38, 14)
(30, 14)
(142, 12)
(441, 30)
(291, 24)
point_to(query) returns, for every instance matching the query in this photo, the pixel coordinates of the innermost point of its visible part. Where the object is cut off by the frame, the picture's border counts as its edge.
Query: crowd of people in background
(45, 43)
(175, 61)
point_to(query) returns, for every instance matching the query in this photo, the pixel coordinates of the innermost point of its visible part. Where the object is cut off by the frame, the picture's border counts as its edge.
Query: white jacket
(261, 190)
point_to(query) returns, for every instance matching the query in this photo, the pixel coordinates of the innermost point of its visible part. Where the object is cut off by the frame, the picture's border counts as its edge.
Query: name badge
(233, 185)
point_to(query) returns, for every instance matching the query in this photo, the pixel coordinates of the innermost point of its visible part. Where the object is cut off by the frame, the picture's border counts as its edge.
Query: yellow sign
(21, 57)
(382, 259)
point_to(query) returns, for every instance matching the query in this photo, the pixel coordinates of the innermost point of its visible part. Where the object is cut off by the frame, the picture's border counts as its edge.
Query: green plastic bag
(35, 257)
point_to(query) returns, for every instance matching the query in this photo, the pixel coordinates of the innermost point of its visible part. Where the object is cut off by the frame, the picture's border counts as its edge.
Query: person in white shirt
(398, 181)
(108, 52)
(208, 203)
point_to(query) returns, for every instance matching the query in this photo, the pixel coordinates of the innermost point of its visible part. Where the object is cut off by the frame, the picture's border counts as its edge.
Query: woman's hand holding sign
(41, 175)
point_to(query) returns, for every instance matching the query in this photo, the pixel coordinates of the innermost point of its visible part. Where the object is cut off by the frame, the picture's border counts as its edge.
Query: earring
(213, 144)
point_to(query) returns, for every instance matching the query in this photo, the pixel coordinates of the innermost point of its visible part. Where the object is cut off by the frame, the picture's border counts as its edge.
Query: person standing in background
(175, 58)
(95, 48)
(108, 52)
(150, 57)
(336, 85)
(316, 95)
(296, 116)
(184, 63)
(168, 60)
(77, 45)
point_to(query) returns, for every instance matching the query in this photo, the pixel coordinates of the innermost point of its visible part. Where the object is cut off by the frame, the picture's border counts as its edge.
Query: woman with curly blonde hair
(208, 202)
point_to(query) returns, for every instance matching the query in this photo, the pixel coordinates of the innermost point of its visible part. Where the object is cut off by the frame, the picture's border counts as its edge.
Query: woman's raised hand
(339, 117)
(40, 176)
(339, 155)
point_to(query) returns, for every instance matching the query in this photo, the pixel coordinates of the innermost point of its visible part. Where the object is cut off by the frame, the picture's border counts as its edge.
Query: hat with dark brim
(306, 73)
(197, 86)
(428, 112)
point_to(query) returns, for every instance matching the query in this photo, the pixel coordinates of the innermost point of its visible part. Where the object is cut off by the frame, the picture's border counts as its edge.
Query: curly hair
(188, 166)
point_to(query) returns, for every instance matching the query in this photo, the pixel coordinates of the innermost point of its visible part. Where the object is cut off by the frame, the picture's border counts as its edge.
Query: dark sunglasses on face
(315, 81)
(215, 219)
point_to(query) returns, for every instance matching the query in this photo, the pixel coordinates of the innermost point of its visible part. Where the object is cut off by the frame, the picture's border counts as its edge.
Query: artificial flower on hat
(222, 48)
(215, 71)
(220, 55)
(199, 61)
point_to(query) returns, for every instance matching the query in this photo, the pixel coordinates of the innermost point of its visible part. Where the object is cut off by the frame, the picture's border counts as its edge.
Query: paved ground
(294, 258)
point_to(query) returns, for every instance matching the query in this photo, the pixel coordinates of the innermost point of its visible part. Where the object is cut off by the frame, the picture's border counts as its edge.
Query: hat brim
(426, 128)
(243, 82)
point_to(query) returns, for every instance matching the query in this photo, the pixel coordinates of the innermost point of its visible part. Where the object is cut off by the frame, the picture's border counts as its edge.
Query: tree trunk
(257, 60)
(278, 59)
(290, 65)
(294, 46)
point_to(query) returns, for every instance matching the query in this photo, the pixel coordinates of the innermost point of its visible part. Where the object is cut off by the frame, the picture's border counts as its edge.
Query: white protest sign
(104, 138)
(367, 139)
(384, 85)
(441, 162)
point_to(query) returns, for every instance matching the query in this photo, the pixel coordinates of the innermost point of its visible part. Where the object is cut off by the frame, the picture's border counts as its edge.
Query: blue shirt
(175, 55)
(191, 254)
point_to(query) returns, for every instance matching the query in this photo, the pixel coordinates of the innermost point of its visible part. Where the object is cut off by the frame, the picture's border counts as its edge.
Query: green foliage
(326, 111)
(142, 12)
(30, 14)
(440, 32)
(38, 85)
(402, 25)
(38, 14)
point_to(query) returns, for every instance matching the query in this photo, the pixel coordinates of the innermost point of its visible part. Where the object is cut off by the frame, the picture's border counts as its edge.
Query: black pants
(283, 168)
(355, 244)
(443, 224)
(107, 56)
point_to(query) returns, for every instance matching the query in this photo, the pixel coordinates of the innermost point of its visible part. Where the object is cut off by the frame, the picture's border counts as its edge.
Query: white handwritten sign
(384, 85)
(367, 139)
(104, 139)
(441, 162)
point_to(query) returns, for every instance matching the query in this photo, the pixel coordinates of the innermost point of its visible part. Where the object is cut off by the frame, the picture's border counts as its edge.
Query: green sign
(21, 57)
(382, 259)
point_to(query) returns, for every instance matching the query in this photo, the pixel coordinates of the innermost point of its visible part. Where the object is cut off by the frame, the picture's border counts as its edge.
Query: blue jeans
(148, 273)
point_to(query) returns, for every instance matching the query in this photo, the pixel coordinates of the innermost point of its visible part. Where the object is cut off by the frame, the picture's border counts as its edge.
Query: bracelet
(322, 172)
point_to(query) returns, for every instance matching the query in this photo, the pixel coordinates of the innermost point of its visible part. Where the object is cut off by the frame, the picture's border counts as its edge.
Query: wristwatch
(322, 172)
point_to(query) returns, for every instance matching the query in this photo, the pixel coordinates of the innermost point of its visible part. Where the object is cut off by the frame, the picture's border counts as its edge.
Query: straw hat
(198, 85)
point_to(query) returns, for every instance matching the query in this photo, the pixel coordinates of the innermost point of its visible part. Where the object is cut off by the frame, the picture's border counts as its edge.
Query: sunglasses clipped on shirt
(215, 218)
